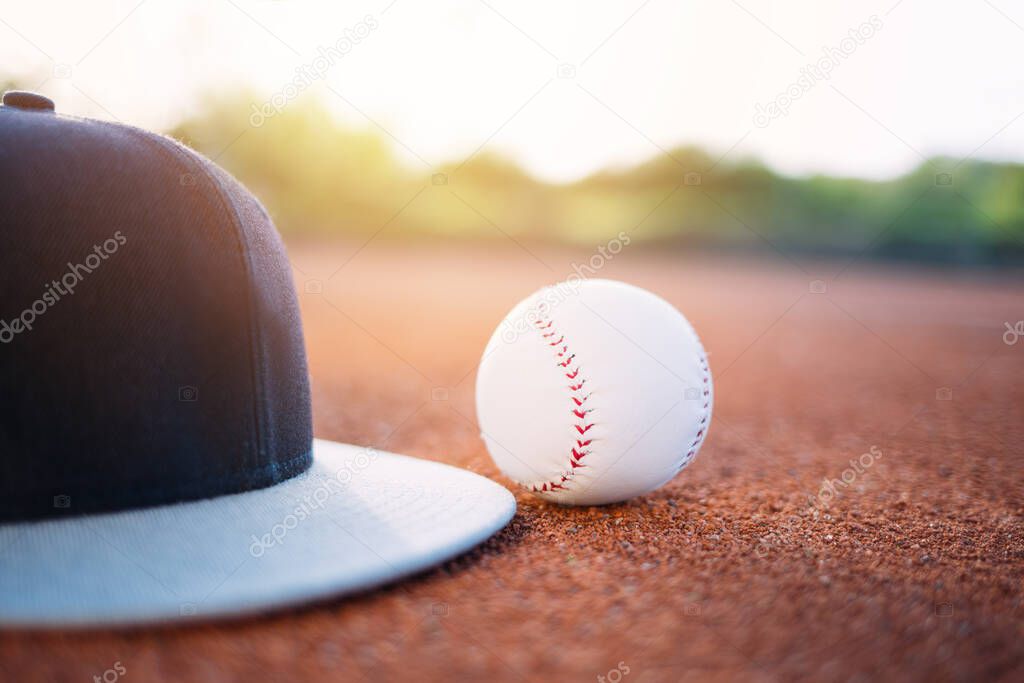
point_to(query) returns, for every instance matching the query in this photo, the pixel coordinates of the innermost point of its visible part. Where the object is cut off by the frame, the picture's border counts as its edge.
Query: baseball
(592, 392)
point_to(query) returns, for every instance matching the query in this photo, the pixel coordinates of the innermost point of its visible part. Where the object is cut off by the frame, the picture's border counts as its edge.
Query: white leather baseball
(592, 392)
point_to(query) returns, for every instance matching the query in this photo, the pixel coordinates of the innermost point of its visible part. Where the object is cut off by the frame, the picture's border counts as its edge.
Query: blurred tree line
(321, 179)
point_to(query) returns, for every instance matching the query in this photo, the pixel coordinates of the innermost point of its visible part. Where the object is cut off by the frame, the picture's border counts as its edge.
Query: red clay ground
(913, 571)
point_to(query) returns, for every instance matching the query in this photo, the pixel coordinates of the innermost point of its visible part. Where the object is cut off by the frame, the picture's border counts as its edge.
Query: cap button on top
(27, 100)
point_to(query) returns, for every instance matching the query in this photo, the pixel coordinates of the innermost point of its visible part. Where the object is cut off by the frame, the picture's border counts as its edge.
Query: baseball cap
(157, 460)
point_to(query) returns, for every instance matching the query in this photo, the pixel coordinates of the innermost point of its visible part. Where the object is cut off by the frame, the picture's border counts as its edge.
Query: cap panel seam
(255, 377)
(170, 147)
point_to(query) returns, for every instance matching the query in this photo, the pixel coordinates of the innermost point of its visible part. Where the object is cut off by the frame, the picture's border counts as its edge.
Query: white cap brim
(358, 518)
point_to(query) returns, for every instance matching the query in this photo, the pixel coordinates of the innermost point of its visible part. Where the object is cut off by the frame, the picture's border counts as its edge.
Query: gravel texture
(743, 567)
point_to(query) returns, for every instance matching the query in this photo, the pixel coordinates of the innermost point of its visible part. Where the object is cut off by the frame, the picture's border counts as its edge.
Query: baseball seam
(702, 426)
(565, 360)
(566, 363)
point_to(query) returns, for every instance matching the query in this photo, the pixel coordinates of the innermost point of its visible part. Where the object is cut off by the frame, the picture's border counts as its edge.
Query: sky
(566, 88)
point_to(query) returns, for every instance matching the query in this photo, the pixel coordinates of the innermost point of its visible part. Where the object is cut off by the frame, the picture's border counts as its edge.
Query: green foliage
(319, 178)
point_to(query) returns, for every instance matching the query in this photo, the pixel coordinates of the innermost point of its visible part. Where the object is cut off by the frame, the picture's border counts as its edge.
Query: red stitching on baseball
(571, 373)
(579, 452)
(702, 425)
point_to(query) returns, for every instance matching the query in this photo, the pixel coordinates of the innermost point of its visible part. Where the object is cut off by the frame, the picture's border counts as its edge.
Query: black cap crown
(150, 343)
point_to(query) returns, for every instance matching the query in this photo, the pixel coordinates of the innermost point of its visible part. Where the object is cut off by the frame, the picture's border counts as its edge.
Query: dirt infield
(746, 566)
